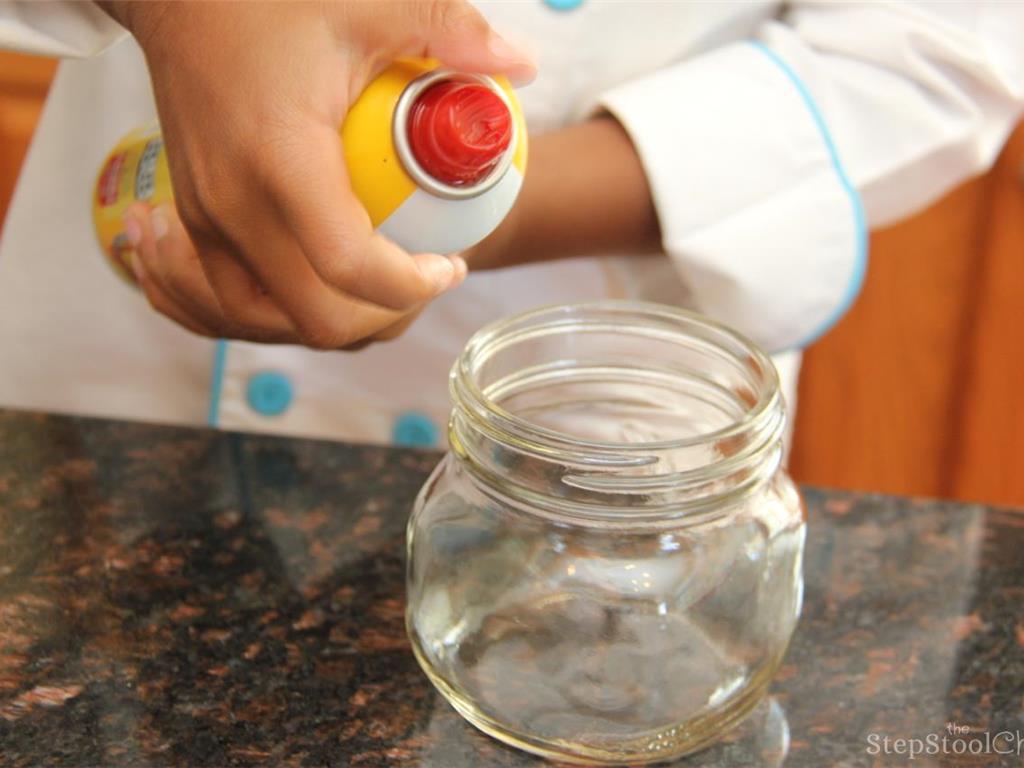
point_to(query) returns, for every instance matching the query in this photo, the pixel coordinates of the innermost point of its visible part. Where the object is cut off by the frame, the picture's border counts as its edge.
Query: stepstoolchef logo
(954, 740)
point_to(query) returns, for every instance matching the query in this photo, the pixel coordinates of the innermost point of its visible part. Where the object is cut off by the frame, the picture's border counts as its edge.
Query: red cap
(458, 132)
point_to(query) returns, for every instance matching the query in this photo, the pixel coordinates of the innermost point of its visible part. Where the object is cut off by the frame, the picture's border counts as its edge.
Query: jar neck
(617, 411)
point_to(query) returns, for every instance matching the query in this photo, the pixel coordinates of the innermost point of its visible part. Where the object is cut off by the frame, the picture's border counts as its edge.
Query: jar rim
(671, 476)
(482, 342)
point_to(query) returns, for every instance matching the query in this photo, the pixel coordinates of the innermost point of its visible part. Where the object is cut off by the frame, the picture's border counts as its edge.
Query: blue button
(269, 393)
(563, 5)
(414, 430)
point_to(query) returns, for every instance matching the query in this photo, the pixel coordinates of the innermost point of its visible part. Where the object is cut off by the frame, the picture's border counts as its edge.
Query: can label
(135, 171)
(145, 175)
(110, 180)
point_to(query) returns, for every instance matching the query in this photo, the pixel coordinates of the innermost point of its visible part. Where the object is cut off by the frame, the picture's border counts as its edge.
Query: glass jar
(607, 566)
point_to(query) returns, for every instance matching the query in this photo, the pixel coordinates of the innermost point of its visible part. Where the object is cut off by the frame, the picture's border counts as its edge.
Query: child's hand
(585, 193)
(250, 97)
(170, 274)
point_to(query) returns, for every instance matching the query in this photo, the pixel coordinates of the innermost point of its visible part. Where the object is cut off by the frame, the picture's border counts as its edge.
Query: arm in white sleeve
(769, 159)
(62, 28)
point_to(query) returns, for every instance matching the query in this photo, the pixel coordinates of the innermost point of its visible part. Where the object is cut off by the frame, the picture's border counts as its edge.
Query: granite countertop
(185, 597)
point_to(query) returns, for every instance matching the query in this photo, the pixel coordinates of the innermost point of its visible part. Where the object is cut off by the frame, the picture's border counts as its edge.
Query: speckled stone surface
(184, 597)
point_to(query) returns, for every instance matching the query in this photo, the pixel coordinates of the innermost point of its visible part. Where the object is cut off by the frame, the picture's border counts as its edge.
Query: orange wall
(24, 81)
(920, 388)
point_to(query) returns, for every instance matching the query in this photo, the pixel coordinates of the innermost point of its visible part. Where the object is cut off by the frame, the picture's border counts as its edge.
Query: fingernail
(461, 271)
(137, 269)
(441, 271)
(158, 220)
(501, 48)
(132, 231)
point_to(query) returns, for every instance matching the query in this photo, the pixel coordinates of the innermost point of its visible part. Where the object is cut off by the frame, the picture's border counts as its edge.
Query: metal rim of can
(401, 138)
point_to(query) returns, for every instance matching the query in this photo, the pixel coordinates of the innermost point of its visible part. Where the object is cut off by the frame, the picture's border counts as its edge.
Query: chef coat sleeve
(62, 28)
(769, 159)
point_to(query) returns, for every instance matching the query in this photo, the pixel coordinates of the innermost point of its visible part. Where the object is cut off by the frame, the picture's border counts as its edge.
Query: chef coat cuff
(756, 211)
(62, 28)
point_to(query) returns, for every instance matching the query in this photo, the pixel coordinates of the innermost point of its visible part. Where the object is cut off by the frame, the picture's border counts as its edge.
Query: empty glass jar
(607, 565)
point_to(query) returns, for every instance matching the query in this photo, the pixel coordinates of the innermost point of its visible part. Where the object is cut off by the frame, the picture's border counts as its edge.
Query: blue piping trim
(220, 353)
(860, 222)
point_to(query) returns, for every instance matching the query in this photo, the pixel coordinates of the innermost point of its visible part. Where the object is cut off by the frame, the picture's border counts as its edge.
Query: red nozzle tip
(458, 132)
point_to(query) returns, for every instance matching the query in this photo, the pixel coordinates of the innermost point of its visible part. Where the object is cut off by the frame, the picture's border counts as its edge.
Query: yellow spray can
(437, 157)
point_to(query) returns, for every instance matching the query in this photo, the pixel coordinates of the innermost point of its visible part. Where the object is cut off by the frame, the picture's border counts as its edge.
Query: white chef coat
(773, 134)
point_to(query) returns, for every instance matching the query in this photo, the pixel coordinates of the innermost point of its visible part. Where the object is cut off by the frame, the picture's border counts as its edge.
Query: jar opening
(613, 406)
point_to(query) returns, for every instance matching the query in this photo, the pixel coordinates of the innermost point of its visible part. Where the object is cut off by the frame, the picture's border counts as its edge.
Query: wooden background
(918, 390)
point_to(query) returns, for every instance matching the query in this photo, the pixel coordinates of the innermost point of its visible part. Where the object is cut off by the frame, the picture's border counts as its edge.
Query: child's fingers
(243, 302)
(164, 304)
(139, 229)
(389, 333)
(176, 284)
(327, 226)
(395, 330)
(188, 278)
(170, 261)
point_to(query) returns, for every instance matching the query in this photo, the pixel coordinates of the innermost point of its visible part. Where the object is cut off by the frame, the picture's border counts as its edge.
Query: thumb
(456, 33)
